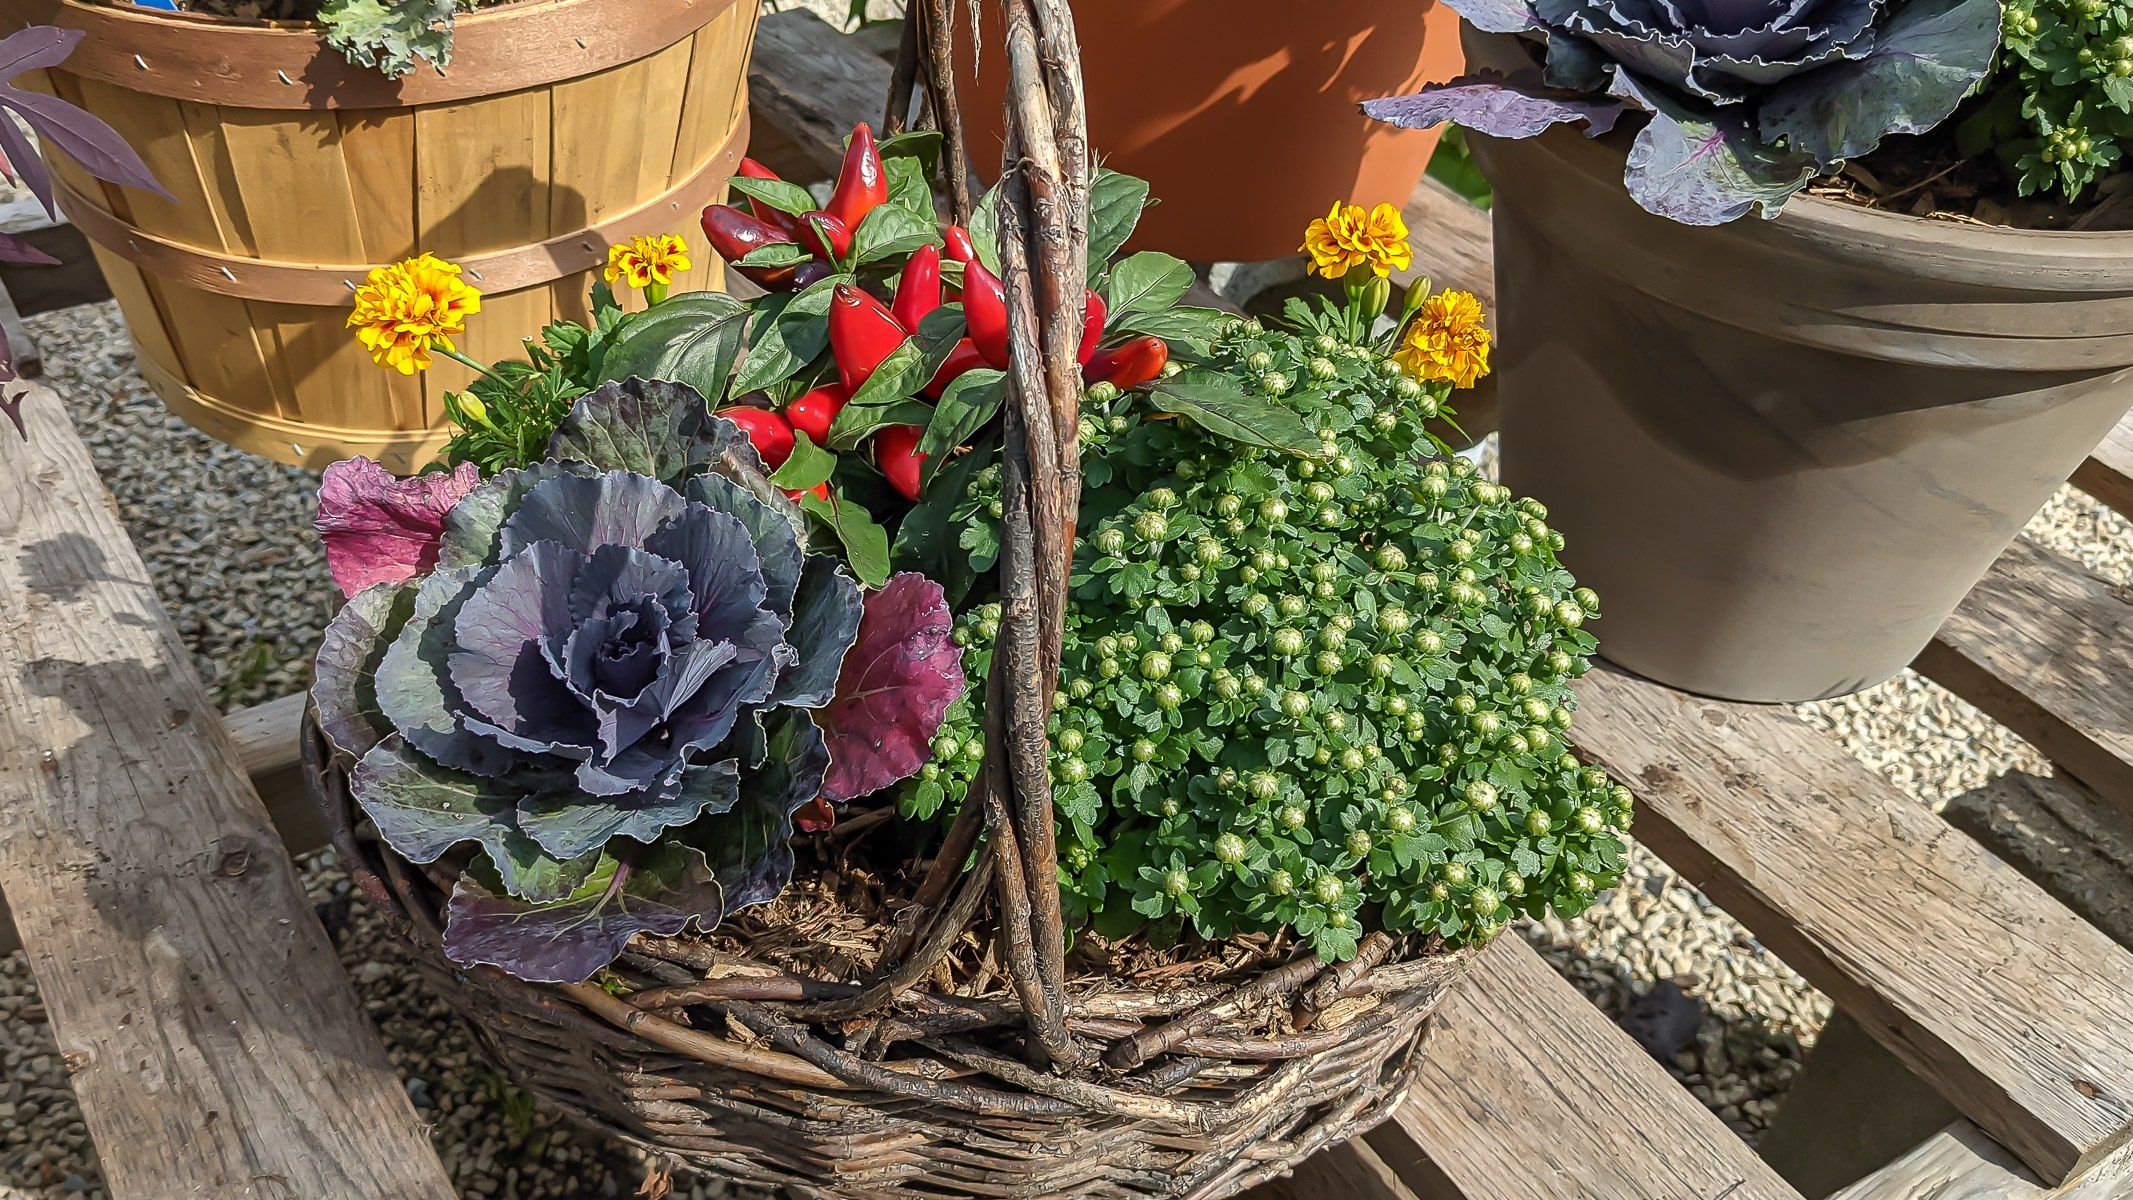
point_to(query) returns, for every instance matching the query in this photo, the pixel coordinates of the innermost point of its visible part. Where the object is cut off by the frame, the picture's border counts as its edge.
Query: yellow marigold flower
(404, 309)
(643, 261)
(1446, 341)
(1347, 237)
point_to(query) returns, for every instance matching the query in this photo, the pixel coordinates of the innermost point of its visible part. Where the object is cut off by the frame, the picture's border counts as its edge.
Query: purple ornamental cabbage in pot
(1748, 100)
(599, 688)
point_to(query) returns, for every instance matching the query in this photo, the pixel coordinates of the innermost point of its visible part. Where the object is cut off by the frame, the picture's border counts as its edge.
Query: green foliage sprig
(1324, 692)
(2061, 115)
(506, 416)
(391, 35)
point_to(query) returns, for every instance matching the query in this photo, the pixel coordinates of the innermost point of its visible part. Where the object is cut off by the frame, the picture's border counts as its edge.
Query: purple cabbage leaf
(897, 683)
(664, 430)
(566, 939)
(379, 529)
(1748, 99)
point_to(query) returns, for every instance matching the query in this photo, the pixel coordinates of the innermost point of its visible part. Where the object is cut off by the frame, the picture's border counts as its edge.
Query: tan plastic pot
(1782, 451)
(1241, 114)
(561, 125)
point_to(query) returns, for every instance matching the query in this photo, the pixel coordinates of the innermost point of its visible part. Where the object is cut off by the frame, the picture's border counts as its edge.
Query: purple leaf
(1497, 16)
(379, 529)
(659, 890)
(35, 48)
(1697, 171)
(568, 824)
(1493, 105)
(898, 681)
(83, 137)
(749, 847)
(22, 156)
(345, 686)
(1926, 60)
(15, 249)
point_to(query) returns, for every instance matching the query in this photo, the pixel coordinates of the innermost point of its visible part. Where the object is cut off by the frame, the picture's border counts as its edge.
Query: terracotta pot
(1782, 451)
(1241, 114)
(296, 172)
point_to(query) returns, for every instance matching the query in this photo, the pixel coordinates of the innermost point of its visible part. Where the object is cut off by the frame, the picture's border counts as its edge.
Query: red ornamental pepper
(1093, 313)
(825, 236)
(919, 291)
(1129, 365)
(812, 413)
(896, 453)
(814, 816)
(734, 234)
(820, 491)
(961, 361)
(862, 334)
(769, 431)
(985, 308)
(751, 169)
(862, 185)
(960, 247)
(813, 271)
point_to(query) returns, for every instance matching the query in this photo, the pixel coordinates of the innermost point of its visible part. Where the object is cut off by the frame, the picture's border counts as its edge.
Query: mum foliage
(599, 709)
(2061, 112)
(1747, 100)
(1326, 690)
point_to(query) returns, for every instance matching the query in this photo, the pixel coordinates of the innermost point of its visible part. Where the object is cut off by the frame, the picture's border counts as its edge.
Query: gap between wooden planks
(214, 1041)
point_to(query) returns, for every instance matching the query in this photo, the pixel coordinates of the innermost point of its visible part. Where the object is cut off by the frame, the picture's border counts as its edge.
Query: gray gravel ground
(228, 539)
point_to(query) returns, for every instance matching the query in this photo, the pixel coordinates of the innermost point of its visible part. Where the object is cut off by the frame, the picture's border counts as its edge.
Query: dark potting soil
(1924, 175)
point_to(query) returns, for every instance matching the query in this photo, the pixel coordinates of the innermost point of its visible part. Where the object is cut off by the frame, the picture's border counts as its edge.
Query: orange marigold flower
(404, 309)
(644, 261)
(1446, 341)
(1347, 237)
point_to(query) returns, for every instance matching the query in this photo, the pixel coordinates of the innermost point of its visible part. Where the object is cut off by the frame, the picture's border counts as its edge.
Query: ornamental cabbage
(608, 682)
(1748, 99)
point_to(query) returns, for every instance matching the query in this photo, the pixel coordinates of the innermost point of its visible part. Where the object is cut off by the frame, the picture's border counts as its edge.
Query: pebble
(228, 540)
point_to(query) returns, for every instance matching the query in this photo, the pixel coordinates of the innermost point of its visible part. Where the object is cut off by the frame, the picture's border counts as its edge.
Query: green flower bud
(1538, 823)
(1230, 849)
(1100, 393)
(1484, 900)
(1485, 724)
(930, 772)
(1168, 697)
(1259, 361)
(1072, 740)
(1329, 889)
(1401, 820)
(1176, 882)
(1439, 892)
(1073, 770)
(1318, 492)
(1200, 633)
(1287, 642)
(1429, 641)
(1292, 817)
(1589, 820)
(1154, 665)
(1263, 785)
(1569, 615)
(1170, 643)
(1397, 706)
(1335, 722)
(1151, 527)
(1208, 551)
(1079, 688)
(1273, 511)
(1111, 542)
(1274, 382)
(1281, 883)
(1263, 559)
(1352, 759)
(1514, 883)
(1391, 558)
(1144, 750)
(1295, 704)
(1538, 738)
(1328, 663)
(1358, 843)
(1464, 704)
(1587, 599)
(1109, 669)
(1480, 795)
(1456, 873)
(1581, 883)
(1254, 685)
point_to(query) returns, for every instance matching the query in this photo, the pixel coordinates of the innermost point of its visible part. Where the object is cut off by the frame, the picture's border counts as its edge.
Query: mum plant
(1316, 670)
(1745, 101)
(2060, 111)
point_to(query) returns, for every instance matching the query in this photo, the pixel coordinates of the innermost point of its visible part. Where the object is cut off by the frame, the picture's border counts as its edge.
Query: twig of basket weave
(1160, 1039)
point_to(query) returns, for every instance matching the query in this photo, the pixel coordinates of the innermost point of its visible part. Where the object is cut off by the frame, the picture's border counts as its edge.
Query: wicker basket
(970, 1060)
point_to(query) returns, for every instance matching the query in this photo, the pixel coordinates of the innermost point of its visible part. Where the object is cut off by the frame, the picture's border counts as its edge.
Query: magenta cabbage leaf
(898, 681)
(379, 529)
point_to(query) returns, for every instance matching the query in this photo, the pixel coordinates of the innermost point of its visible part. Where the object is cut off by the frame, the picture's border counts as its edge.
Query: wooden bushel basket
(561, 126)
(960, 1052)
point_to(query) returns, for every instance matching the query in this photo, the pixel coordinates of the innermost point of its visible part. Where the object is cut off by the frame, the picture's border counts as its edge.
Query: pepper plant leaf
(692, 338)
(1226, 410)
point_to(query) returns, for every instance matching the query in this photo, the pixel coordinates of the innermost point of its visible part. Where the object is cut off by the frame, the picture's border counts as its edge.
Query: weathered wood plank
(808, 85)
(1349, 1171)
(21, 348)
(2046, 648)
(1970, 974)
(1961, 1163)
(2108, 473)
(1454, 243)
(2061, 835)
(1528, 1092)
(215, 1042)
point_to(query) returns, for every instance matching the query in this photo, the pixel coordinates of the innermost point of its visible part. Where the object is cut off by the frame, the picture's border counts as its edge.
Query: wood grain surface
(2108, 473)
(2046, 648)
(216, 1045)
(1528, 1092)
(1979, 982)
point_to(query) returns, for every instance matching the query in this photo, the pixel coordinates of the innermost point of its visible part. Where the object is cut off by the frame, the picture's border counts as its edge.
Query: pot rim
(1951, 251)
(235, 62)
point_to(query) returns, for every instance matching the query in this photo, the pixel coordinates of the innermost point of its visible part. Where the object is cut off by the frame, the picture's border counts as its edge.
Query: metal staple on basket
(1070, 1088)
